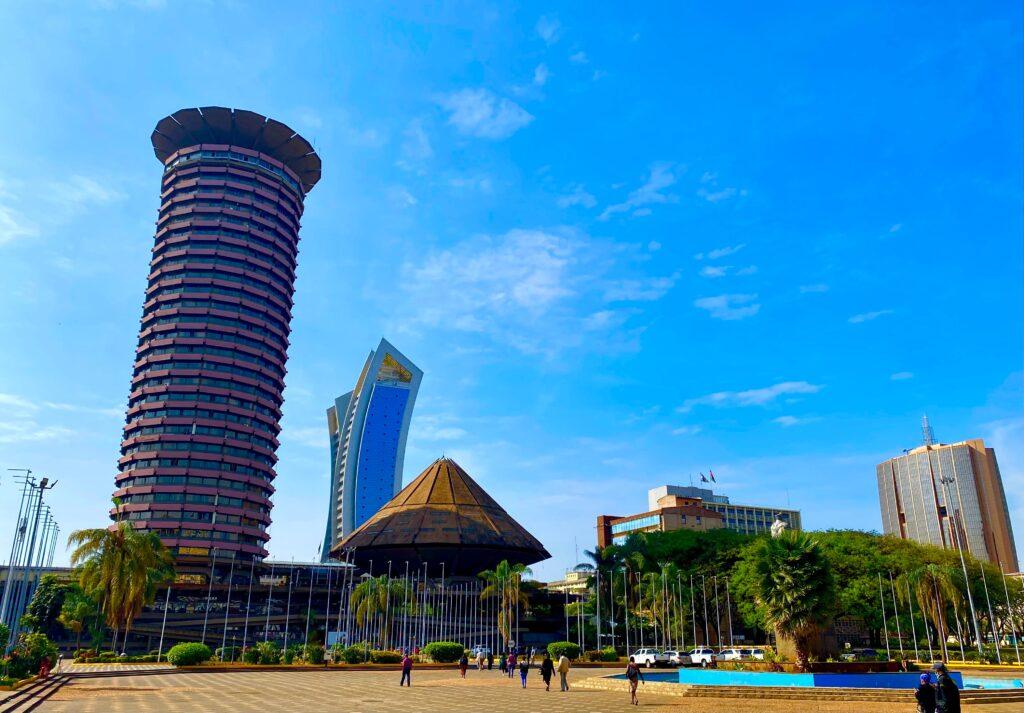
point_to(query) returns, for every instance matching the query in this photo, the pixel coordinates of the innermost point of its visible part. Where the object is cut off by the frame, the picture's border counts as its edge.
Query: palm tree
(504, 583)
(794, 588)
(120, 568)
(378, 595)
(77, 609)
(934, 587)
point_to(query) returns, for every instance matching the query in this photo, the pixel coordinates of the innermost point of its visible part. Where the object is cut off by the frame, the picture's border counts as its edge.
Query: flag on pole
(712, 474)
(703, 478)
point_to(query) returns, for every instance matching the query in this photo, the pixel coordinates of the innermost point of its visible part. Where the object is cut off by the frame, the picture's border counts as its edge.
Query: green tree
(120, 568)
(77, 610)
(42, 612)
(504, 583)
(794, 588)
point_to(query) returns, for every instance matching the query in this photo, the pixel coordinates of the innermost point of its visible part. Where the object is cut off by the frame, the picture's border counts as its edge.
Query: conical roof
(443, 516)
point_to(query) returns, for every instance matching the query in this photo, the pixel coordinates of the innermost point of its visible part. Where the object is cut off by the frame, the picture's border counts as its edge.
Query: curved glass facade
(200, 438)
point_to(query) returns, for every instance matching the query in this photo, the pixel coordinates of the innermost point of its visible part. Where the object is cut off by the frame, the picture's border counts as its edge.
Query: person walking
(463, 664)
(547, 670)
(924, 694)
(480, 660)
(947, 695)
(490, 660)
(634, 675)
(563, 671)
(406, 671)
(524, 669)
(502, 662)
(512, 660)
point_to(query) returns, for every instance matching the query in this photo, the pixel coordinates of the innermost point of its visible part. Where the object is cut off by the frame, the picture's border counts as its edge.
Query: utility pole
(22, 596)
(18, 540)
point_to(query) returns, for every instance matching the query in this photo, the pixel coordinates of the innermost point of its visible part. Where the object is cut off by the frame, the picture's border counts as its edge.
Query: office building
(576, 583)
(678, 507)
(443, 521)
(368, 428)
(949, 495)
(200, 439)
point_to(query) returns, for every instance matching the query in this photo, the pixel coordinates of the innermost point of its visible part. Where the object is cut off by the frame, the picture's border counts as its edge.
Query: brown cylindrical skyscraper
(198, 455)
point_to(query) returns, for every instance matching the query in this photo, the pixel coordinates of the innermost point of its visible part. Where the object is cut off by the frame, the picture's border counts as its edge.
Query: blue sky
(626, 244)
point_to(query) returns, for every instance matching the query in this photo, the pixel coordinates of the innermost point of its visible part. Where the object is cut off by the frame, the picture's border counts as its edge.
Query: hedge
(270, 653)
(444, 651)
(605, 654)
(314, 654)
(385, 657)
(566, 648)
(189, 654)
(251, 655)
(356, 653)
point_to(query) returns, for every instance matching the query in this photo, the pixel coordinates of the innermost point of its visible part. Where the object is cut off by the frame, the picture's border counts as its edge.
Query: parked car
(757, 654)
(677, 658)
(860, 655)
(650, 657)
(703, 657)
(733, 654)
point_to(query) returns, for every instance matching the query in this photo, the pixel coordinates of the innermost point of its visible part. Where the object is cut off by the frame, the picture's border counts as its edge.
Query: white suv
(733, 654)
(703, 657)
(677, 658)
(649, 657)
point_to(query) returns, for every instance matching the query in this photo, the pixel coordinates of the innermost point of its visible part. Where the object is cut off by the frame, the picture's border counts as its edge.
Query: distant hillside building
(678, 507)
(368, 428)
(912, 493)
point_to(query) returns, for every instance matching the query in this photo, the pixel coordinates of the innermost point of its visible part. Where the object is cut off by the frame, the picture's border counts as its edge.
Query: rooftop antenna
(926, 431)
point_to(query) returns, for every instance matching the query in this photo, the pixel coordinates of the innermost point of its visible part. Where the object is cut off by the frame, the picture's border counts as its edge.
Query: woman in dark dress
(547, 670)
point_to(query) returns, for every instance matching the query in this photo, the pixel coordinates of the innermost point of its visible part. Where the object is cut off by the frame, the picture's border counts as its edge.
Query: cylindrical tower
(200, 436)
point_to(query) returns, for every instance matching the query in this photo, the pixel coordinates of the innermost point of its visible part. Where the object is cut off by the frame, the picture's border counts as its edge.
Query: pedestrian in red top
(406, 671)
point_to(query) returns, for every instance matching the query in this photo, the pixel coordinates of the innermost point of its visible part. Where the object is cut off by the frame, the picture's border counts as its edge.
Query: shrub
(608, 653)
(251, 655)
(189, 654)
(288, 656)
(314, 654)
(444, 651)
(228, 653)
(356, 653)
(28, 654)
(270, 652)
(564, 648)
(385, 657)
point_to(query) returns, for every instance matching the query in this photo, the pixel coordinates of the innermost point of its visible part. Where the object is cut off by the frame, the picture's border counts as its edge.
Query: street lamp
(946, 481)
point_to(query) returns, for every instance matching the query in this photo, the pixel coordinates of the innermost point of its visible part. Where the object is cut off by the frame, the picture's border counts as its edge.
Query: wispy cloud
(787, 421)
(902, 375)
(719, 253)
(579, 57)
(24, 420)
(686, 431)
(436, 427)
(713, 193)
(307, 436)
(652, 192)
(401, 197)
(578, 195)
(809, 289)
(645, 290)
(416, 146)
(80, 191)
(868, 316)
(548, 28)
(480, 113)
(751, 397)
(729, 307)
(723, 270)
(113, 412)
(541, 74)
(896, 227)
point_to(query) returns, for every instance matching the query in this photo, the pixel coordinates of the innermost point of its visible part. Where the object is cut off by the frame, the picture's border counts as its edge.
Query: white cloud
(578, 196)
(598, 75)
(902, 375)
(436, 427)
(401, 197)
(729, 307)
(819, 287)
(478, 112)
(645, 290)
(718, 253)
(686, 431)
(654, 246)
(751, 397)
(480, 183)
(309, 436)
(114, 412)
(23, 420)
(710, 191)
(579, 57)
(748, 270)
(896, 227)
(868, 316)
(82, 191)
(652, 192)
(714, 270)
(13, 225)
(541, 75)
(30, 431)
(8, 401)
(787, 421)
(605, 319)
(547, 28)
(416, 148)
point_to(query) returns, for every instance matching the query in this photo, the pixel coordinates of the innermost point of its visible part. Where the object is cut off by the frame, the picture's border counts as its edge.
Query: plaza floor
(373, 692)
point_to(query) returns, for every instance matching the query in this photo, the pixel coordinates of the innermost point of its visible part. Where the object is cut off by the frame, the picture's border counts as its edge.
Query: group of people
(940, 697)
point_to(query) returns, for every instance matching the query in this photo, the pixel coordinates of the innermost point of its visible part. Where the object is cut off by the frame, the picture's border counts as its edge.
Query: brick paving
(378, 692)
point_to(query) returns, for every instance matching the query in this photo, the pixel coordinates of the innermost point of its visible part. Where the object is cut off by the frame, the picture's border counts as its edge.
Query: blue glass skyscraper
(368, 428)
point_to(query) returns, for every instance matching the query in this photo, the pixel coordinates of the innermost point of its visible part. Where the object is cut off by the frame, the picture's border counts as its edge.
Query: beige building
(575, 583)
(949, 495)
(672, 512)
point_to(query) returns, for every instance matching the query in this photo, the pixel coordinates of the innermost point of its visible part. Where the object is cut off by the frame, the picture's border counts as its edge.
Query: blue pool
(712, 677)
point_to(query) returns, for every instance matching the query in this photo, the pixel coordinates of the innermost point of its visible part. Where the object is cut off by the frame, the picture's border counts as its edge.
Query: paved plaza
(373, 691)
